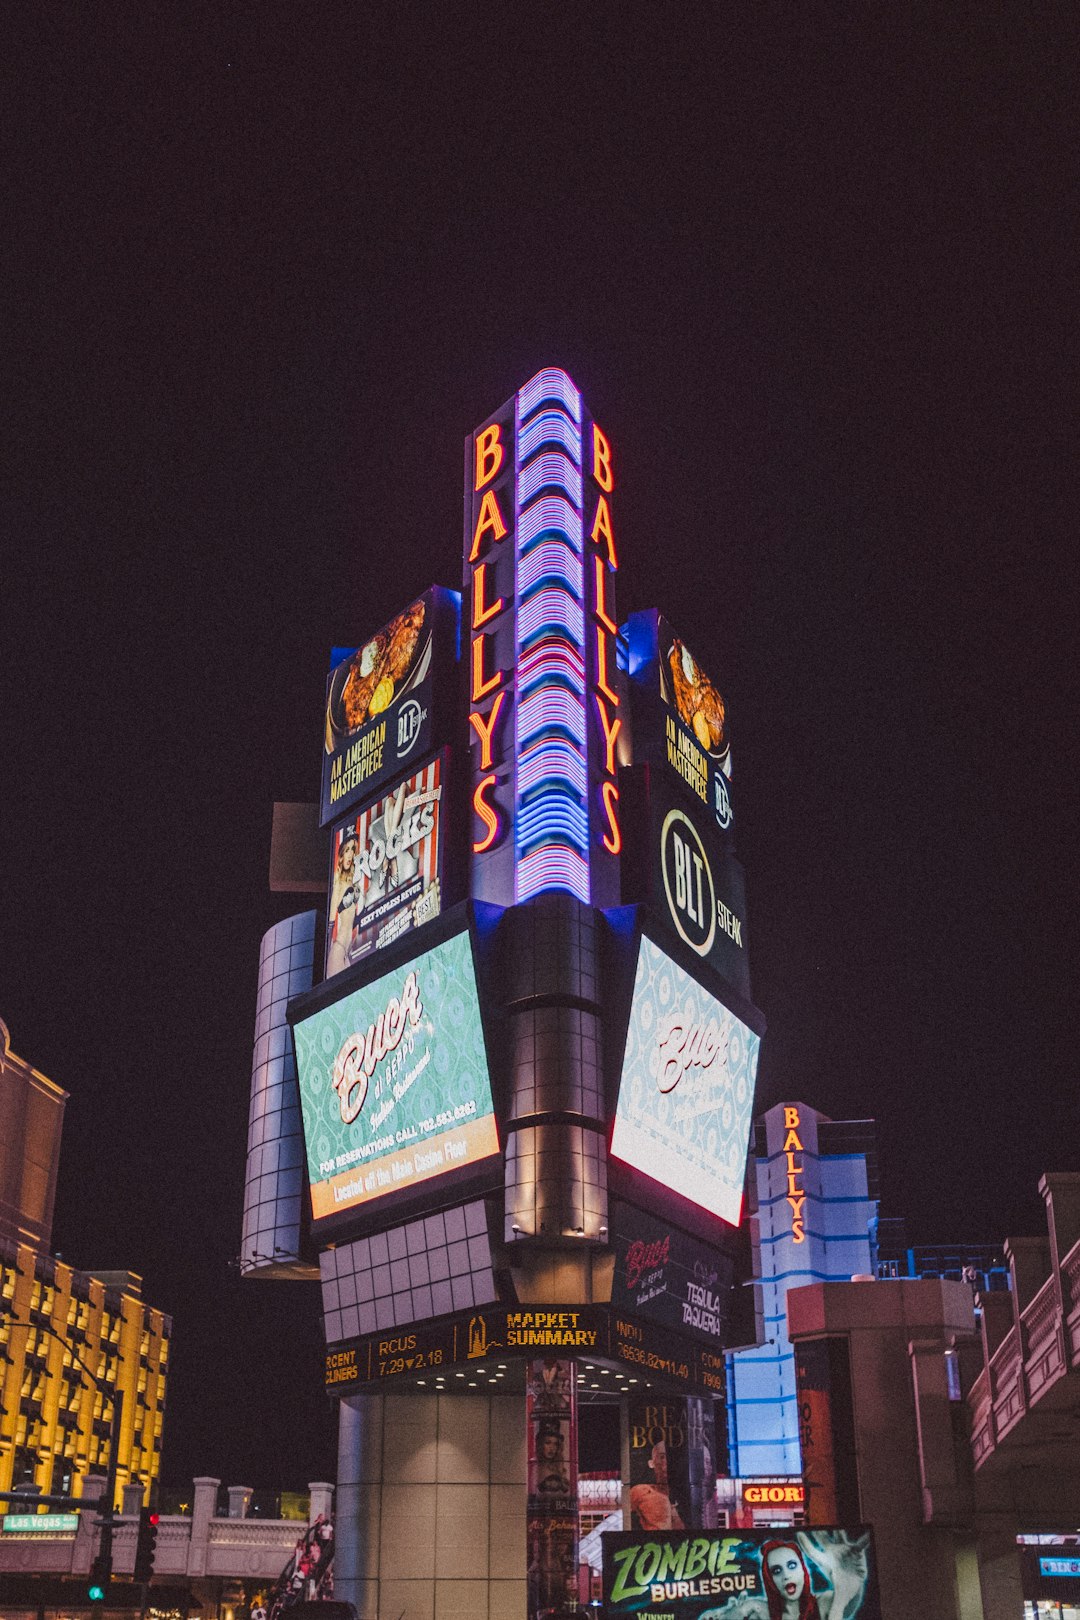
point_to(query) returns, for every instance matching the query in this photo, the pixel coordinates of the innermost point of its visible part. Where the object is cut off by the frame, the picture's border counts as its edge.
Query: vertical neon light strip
(551, 823)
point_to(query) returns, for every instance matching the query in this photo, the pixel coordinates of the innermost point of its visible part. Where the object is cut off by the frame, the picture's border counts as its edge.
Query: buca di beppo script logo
(642, 1257)
(360, 1055)
(687, 1046)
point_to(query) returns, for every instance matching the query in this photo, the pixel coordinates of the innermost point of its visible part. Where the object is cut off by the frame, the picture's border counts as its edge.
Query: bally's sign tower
(519, 1036)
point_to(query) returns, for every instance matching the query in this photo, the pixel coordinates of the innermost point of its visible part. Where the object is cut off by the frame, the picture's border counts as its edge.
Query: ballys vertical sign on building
(547, 721)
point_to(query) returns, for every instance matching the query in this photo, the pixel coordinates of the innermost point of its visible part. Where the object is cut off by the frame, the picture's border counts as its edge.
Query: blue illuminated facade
(815, 1185)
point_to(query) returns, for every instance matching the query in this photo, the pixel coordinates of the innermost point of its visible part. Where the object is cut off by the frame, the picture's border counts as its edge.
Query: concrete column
(239, 1501)
(322, 1500)
(999, 1573)
(82, 1554)
(131, 1500)
(1061, 1192)
(206, 1490)
(356, 1521)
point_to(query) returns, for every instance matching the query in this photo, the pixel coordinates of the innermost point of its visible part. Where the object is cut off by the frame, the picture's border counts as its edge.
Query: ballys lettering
(360, 1055)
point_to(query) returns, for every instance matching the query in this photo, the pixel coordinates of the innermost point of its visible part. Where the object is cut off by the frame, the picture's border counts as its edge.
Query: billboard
(690, 1575)
(394, 1083)
(681, 717)
(698, 889)
(673, 1279)
(686, 1090)
(385, 871)
(386, 702)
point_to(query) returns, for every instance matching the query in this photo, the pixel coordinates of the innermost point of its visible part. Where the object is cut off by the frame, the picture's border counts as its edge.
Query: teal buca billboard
(394, 1083)
(686, 1092)
(825, 1574)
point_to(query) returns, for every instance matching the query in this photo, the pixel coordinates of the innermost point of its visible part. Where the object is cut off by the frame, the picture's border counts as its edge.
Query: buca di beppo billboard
(827, 1574)
(394, 1085)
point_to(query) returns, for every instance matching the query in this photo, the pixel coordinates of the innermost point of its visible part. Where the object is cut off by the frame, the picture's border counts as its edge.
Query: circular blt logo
(688, 882)
(410, 717)
(721, 800)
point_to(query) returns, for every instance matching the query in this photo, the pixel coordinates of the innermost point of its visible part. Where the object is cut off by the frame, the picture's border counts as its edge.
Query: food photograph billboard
(386, 868)
(686, 1089)
(741, 1575)
(681, 717)
(386, 702)
(394, 1084)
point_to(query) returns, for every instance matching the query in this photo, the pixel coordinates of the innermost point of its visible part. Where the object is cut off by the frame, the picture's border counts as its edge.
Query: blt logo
(688, 882)
(410, 719)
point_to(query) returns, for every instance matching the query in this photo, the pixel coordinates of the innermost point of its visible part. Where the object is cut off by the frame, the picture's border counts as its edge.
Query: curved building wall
(274, 1185)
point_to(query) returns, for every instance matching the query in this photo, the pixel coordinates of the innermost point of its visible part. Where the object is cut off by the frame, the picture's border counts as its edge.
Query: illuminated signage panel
(686, 1093)
(663, 1274)
(385, 873)
(386, 702)
(681, 718)
(545, 695)
(698, 889)
(687, 1574)
(394, 1084)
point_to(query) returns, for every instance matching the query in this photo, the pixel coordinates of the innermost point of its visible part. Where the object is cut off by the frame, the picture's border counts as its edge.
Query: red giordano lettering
(796, 1196)
(643, 1257)
(687, 1046)
(361, 1054)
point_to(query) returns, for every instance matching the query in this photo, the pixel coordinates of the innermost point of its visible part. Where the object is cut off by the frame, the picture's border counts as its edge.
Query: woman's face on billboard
(786, 1571)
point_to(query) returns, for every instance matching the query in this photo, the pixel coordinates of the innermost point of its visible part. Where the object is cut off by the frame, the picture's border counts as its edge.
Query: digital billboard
(386, 700)
(681, 717)
(686, 1090)
(718, 1575)
(385, 873)
(665, 1275)
(696, 887)
(394, 1083)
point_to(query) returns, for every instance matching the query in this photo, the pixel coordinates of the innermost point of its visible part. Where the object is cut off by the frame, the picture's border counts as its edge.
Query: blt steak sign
(455, 1341)
(667, 1575)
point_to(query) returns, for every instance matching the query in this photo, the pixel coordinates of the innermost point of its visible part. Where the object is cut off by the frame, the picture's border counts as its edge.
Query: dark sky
(264, 267)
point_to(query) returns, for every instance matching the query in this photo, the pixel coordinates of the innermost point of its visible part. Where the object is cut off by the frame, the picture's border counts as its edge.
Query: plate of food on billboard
(768, 1574)
(394, 1082)
(380, 700)
(686, 1093)
(385, 873)
(685, 687)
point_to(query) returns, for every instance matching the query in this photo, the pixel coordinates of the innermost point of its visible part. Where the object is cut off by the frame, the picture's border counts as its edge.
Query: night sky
(264, 268)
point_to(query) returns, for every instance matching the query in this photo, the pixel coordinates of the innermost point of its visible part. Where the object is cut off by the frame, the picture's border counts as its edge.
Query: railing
(1007, 1384)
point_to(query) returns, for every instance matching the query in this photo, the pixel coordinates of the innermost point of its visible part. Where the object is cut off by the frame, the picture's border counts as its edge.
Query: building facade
(522, 1049)
(812, 1219)
(70, 1340)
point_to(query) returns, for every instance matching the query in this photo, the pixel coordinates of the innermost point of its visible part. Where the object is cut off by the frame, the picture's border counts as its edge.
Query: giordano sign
(451, 1343)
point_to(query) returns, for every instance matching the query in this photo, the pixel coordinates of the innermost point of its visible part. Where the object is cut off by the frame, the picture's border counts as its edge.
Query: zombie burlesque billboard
(394, 1085)
(743, 1575)
(385, 874)
(686, 1092)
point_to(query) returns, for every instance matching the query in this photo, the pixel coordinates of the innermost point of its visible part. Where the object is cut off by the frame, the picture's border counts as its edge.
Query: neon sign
(544, 692)
(796, 1193)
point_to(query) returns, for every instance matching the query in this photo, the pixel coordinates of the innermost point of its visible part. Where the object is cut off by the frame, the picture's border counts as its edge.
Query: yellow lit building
(55, 1421)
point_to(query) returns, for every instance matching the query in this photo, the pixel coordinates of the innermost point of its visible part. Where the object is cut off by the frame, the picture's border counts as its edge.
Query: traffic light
(97, 1584)
(146, 1545)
